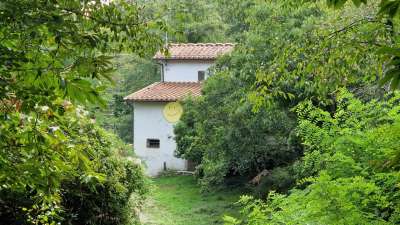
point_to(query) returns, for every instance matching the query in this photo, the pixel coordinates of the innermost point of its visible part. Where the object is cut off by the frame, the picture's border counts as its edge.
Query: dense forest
(304, 113)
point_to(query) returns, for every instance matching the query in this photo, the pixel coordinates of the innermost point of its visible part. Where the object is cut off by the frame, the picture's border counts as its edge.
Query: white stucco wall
(184, 70)
(149, 122)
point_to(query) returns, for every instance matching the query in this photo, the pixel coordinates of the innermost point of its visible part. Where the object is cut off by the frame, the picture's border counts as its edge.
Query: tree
(277, 65)
(131, 74)
(341, 179)
(319, 57)
(189, 20)
(221, 133)
(326, 70)
(388, 10)
(53, 53)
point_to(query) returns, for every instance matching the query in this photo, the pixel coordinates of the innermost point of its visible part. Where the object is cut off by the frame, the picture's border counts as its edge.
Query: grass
(176, 200)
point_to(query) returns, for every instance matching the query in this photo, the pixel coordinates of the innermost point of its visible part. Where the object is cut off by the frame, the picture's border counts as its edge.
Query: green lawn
(177, 200)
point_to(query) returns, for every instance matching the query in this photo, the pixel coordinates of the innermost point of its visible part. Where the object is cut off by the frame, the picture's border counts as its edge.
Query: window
(153, 143)
(201, 75)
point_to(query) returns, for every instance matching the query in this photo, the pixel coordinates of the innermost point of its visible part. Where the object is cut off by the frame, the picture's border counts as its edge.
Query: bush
(113, 201)
(280, 179)
(99, 184)
(348, 174)
(225, 137)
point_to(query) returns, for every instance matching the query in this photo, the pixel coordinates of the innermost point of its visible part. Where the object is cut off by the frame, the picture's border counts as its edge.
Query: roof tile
(195, 51)
(165, 92)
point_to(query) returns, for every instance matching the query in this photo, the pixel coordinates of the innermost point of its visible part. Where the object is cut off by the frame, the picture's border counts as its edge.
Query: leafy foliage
(280, 63)
(346, 169)
(94, 186)
(349, 172)
(322, 55)
(201, 20)
(117, 199)
(131, 74)
(62, 45)
(388, 10)
(188, 20)
(222, 134)
(53, 53)
(300, 67)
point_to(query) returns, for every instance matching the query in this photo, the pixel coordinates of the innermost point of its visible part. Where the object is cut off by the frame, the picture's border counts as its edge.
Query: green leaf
(395, 82)
(389, 51)
(389, 75)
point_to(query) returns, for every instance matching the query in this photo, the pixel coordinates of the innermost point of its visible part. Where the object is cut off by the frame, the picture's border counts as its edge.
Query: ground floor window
(153, 143)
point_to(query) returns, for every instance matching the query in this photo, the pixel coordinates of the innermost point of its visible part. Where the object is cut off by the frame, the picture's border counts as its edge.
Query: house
(156, 107)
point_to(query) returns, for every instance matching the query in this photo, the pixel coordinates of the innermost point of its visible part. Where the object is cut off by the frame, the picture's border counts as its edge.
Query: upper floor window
(201, 75)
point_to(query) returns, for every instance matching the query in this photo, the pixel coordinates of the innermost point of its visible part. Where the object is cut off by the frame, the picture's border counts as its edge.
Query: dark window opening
(201, 75)
(153, 143)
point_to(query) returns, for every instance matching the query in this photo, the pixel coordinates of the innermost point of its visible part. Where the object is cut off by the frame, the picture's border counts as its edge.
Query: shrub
(225, 137)
(347, 175)
(98, 185)
(280, 179)
(112, 201)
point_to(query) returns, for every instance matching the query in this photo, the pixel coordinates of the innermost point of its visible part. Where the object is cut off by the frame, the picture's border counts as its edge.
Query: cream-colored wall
(184, 70)
(149, 122)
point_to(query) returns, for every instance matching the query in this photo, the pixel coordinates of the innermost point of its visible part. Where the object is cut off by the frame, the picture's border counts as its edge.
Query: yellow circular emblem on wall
(173, 112)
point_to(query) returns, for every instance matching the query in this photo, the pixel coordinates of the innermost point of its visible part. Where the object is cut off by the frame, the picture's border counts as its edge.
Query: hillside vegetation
(304, 113)
(293, 109)
(304, 110)
(56, 165)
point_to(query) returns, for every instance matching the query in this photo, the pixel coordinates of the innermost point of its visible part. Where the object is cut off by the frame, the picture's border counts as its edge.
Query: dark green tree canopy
(54, 55)
(55, 47)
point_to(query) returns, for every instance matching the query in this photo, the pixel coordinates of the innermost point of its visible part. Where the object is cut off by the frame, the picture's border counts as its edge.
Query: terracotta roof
(195, 51)
(165, 92)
